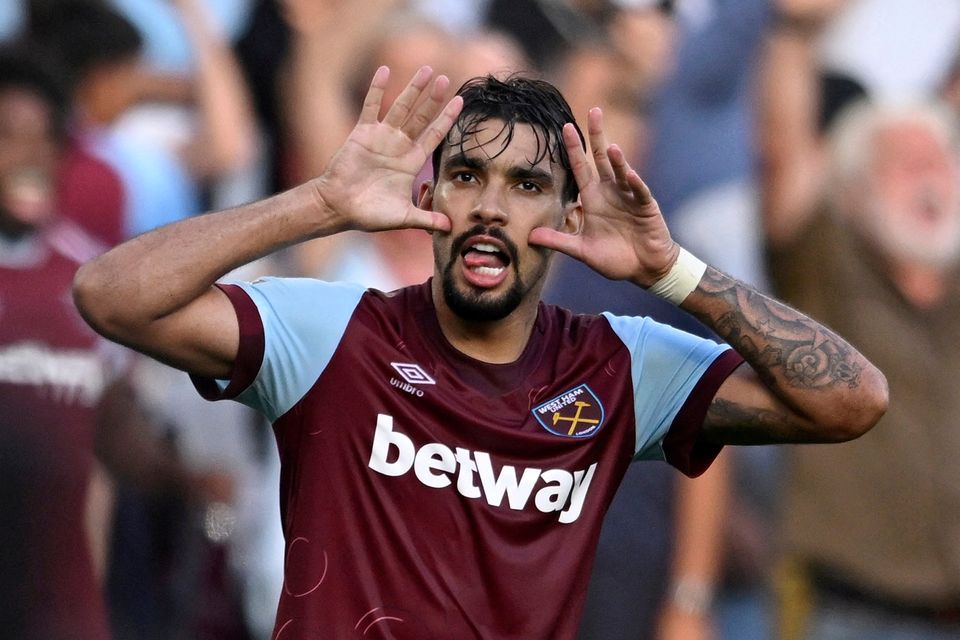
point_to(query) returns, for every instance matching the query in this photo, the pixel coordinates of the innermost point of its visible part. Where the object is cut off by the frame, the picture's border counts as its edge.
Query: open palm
(369, 180)
(623, 235)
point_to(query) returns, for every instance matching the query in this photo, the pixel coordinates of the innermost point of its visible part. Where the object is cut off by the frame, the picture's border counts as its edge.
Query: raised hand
(368, 182)
(623, 235)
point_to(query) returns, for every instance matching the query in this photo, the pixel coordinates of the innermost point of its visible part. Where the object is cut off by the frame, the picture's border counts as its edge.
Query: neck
(924, 287)
(495, 341)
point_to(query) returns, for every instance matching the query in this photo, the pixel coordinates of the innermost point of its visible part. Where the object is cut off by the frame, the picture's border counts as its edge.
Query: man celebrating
(449, 449)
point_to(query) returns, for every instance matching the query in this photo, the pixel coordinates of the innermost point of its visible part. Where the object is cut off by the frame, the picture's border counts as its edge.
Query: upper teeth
(487, 248)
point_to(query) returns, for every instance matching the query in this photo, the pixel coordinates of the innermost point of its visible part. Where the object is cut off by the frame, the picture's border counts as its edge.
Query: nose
(488, 207)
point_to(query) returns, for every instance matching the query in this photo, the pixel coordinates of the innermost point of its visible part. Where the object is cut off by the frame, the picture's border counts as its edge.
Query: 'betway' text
(435, 465)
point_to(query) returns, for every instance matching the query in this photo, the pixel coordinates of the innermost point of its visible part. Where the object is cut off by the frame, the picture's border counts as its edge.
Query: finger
(639, 188)
(371, 103)
(401, 107)
(427, 108)
(598, 145)
(418, 218)
(619, 166)
(557, 240)
(627, 178)
(440, 126)
(582, 171)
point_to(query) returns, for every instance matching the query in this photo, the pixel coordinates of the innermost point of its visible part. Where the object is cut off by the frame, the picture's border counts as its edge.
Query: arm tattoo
(782, 345)
(742, 424)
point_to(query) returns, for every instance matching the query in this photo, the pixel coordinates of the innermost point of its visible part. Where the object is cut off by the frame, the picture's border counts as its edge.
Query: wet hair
(24, 69)
(516, 100)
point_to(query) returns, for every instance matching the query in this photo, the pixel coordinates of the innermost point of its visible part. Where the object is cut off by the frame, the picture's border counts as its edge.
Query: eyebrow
(462, 160)
(535, 174)
(517, 173)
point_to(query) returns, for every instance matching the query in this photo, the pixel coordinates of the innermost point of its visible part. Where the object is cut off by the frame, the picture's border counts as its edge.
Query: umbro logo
(412, 373)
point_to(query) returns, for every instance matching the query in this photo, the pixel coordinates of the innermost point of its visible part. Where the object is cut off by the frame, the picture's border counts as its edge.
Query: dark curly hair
(516, 100)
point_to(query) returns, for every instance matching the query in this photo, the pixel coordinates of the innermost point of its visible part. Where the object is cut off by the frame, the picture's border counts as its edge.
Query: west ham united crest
(576, 413)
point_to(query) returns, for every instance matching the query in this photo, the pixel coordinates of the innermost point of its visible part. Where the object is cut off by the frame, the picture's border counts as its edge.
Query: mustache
(480, 230)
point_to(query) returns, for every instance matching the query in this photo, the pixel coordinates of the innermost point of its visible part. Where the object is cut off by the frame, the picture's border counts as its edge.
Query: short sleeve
(675, 376)
(289, 330)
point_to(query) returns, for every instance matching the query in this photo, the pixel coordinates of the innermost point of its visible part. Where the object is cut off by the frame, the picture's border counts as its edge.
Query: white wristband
(682, 279)
(692, 596)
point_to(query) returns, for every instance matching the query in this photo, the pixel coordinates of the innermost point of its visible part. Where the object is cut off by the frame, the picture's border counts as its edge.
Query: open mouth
(485, 260)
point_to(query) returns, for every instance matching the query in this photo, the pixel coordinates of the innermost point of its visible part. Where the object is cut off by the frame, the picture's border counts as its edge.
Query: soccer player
(448, 450)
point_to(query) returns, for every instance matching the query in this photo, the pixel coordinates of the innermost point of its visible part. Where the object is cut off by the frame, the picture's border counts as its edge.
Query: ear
(572, 222)
(425, 197)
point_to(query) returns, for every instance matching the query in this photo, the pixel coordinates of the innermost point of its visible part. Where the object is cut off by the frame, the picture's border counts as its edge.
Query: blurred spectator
(894, 48)
(658, 560)
(161, 174)
(183, 568)
(702, 166)
(62, 397)
(548, 31)
(864, 231)
(169, 46)
(702, 160)
(166, 577)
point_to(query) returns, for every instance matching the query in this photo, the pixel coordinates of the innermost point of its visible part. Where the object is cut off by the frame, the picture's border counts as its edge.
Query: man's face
(494, 197)
(28, 152)
(913, 207)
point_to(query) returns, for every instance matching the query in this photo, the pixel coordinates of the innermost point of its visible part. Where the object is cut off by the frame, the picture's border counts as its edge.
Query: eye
(529, 186)
(463, 176)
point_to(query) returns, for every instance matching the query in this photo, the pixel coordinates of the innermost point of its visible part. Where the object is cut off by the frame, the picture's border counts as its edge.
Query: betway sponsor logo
(438, 466)
(71, 375)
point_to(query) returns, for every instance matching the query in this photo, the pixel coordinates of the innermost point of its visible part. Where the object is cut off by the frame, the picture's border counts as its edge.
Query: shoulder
(583, 332)
(310, 298)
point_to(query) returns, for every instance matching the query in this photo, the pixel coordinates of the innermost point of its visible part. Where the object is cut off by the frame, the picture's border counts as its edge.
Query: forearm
(227, 125)
(700, 511)
(158, 273)
(833, 389)
(324, 53)
(792, 164)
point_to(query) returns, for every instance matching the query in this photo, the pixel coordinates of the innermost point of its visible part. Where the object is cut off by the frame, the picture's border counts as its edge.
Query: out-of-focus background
(807, 147)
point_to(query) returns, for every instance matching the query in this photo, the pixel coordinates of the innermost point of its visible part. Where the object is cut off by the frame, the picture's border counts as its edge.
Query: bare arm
(156, 293)
(701, 510)
(227, 131)
(804, 383)
(793, 164)
(328, 37)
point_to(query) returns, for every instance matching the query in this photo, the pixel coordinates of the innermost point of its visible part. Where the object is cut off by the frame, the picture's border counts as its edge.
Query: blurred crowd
(808, 147)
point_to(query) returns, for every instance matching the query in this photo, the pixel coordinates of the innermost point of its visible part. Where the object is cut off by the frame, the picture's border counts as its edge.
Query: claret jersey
(53, 372)
(425, 494)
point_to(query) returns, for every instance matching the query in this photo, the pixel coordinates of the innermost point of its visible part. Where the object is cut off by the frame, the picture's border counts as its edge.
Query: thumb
(418, 218)
(557, 240)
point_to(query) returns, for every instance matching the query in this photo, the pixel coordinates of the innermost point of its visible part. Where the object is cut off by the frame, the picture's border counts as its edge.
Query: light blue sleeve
(303, 321)
(666, 365)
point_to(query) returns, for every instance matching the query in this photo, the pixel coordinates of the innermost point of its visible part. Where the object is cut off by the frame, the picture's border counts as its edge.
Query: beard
(483, 306)
(936, 248)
